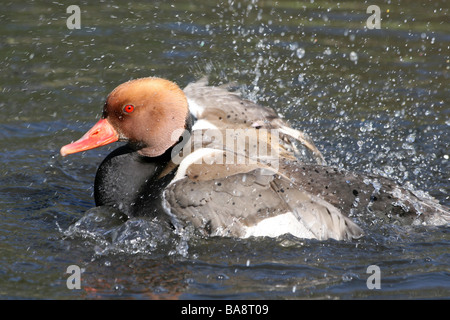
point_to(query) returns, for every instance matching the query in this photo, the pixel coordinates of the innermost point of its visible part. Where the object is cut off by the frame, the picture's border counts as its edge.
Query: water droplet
(411, 138)
(300, 53)
(222, 276)
(327, 51)
(349, 276)
(354, 57)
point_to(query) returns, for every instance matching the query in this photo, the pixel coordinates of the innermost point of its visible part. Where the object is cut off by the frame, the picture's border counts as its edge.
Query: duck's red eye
(128, 108)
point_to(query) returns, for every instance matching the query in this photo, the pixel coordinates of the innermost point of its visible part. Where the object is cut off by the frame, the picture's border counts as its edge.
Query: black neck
(130, 182)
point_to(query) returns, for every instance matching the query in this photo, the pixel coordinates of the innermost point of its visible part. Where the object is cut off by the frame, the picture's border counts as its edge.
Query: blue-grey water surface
(374, 101)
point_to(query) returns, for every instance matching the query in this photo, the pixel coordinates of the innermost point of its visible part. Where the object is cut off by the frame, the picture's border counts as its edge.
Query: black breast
(128, 181)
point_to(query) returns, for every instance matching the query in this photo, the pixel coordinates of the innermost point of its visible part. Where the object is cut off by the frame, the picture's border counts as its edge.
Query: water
(373, 100)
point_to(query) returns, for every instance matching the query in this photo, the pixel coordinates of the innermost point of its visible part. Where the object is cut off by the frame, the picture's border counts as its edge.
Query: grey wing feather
(231, 206)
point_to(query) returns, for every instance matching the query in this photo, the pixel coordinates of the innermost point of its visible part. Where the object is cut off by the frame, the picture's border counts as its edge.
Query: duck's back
(219, 108)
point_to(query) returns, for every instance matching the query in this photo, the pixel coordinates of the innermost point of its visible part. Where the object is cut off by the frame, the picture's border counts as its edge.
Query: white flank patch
(193, 158)
(195, 108)
(279, 225)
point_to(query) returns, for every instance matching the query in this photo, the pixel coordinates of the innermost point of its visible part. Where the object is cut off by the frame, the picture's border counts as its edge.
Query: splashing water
(111, 232)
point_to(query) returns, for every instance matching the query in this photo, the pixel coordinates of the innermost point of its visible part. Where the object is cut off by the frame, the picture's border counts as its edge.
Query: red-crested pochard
(206, 158)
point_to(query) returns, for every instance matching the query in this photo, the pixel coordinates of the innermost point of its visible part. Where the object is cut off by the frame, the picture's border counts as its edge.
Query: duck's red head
(149, 113)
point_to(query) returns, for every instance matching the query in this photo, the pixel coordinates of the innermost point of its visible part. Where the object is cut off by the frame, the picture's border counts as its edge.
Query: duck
(206, 159)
